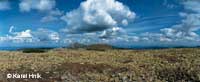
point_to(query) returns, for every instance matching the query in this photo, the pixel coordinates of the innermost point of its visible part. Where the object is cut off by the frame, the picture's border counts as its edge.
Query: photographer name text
(23, 76)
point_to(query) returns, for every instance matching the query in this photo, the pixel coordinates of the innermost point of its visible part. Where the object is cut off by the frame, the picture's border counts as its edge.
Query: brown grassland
(112, 65)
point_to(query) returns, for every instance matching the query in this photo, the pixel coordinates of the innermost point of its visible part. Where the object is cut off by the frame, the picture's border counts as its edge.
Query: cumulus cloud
(113, 32)
(186, 30)
(192, 5)
(4, 5)
(106, 22)
(46, 35)
(179, 33)
(24, 34)
(97, 15)
(49, 6)
(18, 37)
(53, 15)
(40, 35)
(41, 5)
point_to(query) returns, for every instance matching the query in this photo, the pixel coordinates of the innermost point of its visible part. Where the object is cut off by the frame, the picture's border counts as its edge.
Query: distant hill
(76, 46)
(152, 47)
(98, 47)
(103, 47)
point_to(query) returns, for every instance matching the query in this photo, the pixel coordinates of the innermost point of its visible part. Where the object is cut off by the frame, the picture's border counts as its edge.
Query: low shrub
(32, 50)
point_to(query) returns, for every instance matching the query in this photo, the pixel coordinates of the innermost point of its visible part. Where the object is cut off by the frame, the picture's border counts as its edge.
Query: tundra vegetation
(98, 65)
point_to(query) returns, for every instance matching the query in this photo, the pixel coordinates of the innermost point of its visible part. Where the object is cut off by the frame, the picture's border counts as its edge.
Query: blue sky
(126, 23)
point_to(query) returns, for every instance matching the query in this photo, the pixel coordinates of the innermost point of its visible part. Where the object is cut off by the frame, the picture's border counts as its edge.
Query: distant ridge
(99, 47)
(156, 47)
(94, 47)
(107, 46)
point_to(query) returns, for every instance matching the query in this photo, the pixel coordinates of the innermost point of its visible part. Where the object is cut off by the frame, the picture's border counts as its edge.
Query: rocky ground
(81, 65)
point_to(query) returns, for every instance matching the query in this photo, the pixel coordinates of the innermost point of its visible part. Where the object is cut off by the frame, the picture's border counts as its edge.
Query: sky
(122, 23)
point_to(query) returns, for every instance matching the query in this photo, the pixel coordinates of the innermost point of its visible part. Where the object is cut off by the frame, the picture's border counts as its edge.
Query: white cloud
(169, 5)
(41, 5)
(192, 5)
(113, 32)
(191, 16)
(53, 15)
(4, 5)
(19, 37)
(98, 15)
(11, 29)
(56, 12)
(46, 35)
(125, 22)
(49, 18)
(40, 35)
(189, 25)
(87, 18)
(24, 34)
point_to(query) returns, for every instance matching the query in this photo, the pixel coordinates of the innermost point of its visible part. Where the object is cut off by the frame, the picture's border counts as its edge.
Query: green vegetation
(112, 65)
(99, 47)
(32, 50)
